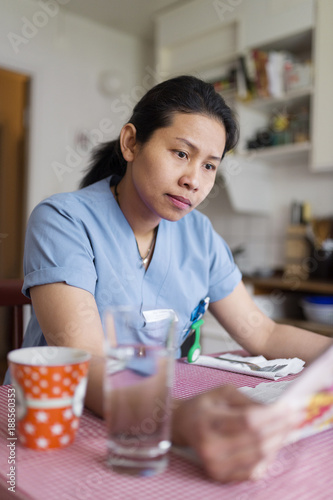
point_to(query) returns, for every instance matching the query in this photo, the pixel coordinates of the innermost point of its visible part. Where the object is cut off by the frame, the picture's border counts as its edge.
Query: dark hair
(183, 94)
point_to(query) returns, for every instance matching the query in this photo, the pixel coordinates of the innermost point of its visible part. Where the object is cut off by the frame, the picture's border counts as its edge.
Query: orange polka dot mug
(50, 385)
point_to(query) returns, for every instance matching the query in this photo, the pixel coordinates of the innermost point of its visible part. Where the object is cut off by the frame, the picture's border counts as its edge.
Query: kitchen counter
(279, 282)
(288, 283)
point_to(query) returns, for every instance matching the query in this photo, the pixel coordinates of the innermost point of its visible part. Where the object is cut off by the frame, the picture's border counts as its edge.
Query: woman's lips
(180, 202)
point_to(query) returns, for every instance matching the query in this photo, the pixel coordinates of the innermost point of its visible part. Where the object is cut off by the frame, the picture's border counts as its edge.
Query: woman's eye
(181, 154)
(210, 166)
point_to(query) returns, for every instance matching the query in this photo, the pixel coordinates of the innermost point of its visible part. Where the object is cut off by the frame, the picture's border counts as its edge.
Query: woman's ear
(128, 141)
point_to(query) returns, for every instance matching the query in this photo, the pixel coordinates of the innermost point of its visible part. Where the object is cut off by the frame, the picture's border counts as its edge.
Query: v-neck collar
(160, 260)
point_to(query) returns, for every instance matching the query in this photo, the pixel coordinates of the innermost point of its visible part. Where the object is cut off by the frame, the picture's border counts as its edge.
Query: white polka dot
(56, 390)
(57, 429)
(43, 370)
(56, 377)
(75, 424)
(36, 389)
(67, 381)
(42, 442)
(43, 383)
(29, 428)
(41, 416)
(35, 376)
(67, 414)
(68, 369)
(64, 439)
(27, 383)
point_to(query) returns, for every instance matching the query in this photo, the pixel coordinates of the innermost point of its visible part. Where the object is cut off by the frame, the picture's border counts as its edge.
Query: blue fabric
(83, 239)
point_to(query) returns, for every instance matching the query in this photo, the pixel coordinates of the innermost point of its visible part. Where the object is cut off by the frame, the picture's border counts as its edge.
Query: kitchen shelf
(229, 95)
(295, 98)
(296, 43)
(321, 328)
(278, 282)
(279, 153)
(266, 285)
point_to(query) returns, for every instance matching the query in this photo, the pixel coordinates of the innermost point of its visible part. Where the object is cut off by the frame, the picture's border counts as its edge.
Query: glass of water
(137, 389)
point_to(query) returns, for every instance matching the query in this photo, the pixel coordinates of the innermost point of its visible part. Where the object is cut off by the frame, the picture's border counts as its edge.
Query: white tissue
(294, 365)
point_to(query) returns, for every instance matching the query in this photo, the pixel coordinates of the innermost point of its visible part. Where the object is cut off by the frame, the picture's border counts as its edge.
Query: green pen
(195, 350)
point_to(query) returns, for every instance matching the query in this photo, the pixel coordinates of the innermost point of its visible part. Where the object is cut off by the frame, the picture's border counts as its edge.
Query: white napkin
(294, 365)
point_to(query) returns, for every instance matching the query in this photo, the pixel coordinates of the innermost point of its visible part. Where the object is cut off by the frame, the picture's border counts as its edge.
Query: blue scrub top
(83, 239)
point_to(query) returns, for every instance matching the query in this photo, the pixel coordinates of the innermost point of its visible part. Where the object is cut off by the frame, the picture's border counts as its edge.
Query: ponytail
(107, 159)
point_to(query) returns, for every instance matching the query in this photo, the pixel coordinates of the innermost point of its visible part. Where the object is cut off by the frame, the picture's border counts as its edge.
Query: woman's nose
(190, 180)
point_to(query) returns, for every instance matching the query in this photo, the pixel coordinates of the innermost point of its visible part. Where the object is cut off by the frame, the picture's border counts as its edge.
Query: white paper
(266, 392)
(158, 314)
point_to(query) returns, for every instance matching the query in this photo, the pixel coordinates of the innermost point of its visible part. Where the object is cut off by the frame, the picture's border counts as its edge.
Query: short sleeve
(224, 274)
(57, 249)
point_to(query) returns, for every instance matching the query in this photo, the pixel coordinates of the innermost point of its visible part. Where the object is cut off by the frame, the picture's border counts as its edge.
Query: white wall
(65, 56)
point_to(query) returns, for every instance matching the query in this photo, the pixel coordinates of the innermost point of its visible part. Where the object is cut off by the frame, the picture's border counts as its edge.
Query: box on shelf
(297, 251)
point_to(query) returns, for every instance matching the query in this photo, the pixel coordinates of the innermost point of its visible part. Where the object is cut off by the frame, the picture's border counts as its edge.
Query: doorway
(14, 104)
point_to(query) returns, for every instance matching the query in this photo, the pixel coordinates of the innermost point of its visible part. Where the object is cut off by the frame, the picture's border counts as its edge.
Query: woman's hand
(234, 437)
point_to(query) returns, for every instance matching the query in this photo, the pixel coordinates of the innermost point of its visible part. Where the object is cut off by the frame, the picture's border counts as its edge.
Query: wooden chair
(12, 297)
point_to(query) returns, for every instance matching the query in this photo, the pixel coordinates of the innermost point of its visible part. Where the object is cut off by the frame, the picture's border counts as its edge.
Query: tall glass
(137, 389)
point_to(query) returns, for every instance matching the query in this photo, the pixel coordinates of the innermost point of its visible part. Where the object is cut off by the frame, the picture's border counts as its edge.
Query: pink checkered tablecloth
(303, 470)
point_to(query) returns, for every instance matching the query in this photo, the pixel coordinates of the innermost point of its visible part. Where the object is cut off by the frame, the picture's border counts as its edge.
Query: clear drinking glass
(137, 389)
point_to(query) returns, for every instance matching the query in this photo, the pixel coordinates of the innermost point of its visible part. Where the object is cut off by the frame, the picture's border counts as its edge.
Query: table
(303, 470)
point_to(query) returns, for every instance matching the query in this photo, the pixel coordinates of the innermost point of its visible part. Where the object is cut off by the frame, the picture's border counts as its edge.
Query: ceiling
(132, 16)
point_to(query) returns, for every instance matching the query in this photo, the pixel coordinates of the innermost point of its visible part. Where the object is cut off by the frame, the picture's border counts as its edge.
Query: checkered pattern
(302, 471)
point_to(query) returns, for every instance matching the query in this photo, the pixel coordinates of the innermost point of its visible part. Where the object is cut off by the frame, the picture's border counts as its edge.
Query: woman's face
(175, 170)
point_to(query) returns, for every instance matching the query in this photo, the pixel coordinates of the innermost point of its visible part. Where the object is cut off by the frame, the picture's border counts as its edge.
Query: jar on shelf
(299, 126)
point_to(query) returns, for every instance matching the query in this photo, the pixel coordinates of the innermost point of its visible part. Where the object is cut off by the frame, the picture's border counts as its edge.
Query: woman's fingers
(229, 458)
(233, 435)
(223, 417)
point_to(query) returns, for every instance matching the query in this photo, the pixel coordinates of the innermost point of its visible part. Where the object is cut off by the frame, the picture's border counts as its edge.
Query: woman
(131, 235)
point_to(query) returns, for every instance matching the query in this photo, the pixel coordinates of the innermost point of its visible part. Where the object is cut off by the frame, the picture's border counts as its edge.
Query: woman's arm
(68, 316)
(258, 334)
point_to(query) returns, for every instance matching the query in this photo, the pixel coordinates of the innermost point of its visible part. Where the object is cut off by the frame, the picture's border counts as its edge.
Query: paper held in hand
(311, 391)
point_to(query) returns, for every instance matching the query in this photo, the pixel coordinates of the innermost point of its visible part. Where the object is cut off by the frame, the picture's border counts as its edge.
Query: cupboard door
(322, 114)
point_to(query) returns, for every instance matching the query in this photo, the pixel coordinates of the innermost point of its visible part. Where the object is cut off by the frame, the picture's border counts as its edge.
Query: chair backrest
(12, 297)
